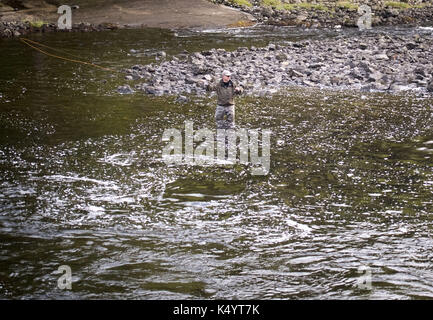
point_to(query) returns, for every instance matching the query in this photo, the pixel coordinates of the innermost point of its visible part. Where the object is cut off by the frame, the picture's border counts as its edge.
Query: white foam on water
(394, 211)
(119, 159)
(62, 178)
(299, 226)
(94, 211)
(341, 205)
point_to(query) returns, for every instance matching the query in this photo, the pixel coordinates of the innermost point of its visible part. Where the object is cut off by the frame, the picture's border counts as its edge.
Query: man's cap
(227, 73)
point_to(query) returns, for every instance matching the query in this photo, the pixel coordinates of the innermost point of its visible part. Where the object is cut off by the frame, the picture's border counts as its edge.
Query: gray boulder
(125, 89)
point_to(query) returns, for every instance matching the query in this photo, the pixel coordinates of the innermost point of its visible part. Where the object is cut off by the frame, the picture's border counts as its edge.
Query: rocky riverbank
(367, 62)
(16, 29)
(328, 13)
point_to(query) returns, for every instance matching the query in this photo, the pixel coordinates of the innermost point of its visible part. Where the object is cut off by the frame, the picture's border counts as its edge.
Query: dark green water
(82, 184)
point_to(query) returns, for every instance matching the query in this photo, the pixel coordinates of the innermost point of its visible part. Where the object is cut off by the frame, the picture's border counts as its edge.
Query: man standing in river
(225, 90)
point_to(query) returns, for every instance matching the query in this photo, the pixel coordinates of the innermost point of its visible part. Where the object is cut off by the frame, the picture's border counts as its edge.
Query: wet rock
(267, 12)
(336, 80)
(281, 57)
(182, 99)
(207, 77)
(161, 54)
(301, 18)
(411, 45)
(7, 33)
(365, 66)
(207, 53)
(363, 46)
(396, 87)
(294, 73)
(374, 76)
(125, 89)
(381, 56)
(242, 49)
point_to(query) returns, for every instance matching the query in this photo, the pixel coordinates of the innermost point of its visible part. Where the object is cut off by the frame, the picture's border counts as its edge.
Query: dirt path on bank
(136, 13)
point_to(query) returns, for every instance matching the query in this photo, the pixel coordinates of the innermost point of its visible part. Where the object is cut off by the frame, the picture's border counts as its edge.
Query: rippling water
(83, 184)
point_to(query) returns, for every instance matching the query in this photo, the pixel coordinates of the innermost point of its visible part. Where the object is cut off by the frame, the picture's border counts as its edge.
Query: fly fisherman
(225, 89)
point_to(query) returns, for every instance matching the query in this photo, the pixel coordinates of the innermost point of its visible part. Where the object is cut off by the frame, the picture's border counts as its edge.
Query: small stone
(161, 54)
(207, 77)
(125, 90)
(293, 73)
(150, 90)
(281, 57)
(411, 45)
(381, 56)
(182, 99)
(363, 46)
(375, 76)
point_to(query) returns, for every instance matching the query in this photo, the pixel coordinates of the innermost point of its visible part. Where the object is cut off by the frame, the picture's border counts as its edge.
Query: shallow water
(83, 183)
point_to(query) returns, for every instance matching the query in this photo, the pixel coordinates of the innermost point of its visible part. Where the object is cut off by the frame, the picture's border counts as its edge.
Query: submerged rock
(182, 99)
(125, 89)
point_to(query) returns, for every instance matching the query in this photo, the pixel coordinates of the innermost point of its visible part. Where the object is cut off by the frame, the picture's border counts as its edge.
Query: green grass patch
(245, 3)
(347, 5)
(312, 6)
(397, 5)
(278, 5)
(36, 23)
(272, 3)
(421, 5)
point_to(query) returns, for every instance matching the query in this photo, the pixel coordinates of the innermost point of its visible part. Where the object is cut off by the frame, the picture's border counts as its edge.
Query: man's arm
(211, 86)
(239, 90)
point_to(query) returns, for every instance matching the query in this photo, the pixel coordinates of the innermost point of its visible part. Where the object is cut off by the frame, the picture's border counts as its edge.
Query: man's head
(226, 76)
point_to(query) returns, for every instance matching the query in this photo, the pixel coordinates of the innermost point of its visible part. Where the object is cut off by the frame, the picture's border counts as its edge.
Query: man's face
(226, 78)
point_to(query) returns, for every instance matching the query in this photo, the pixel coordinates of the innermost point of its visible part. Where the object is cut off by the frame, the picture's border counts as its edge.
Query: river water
(344, 213)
